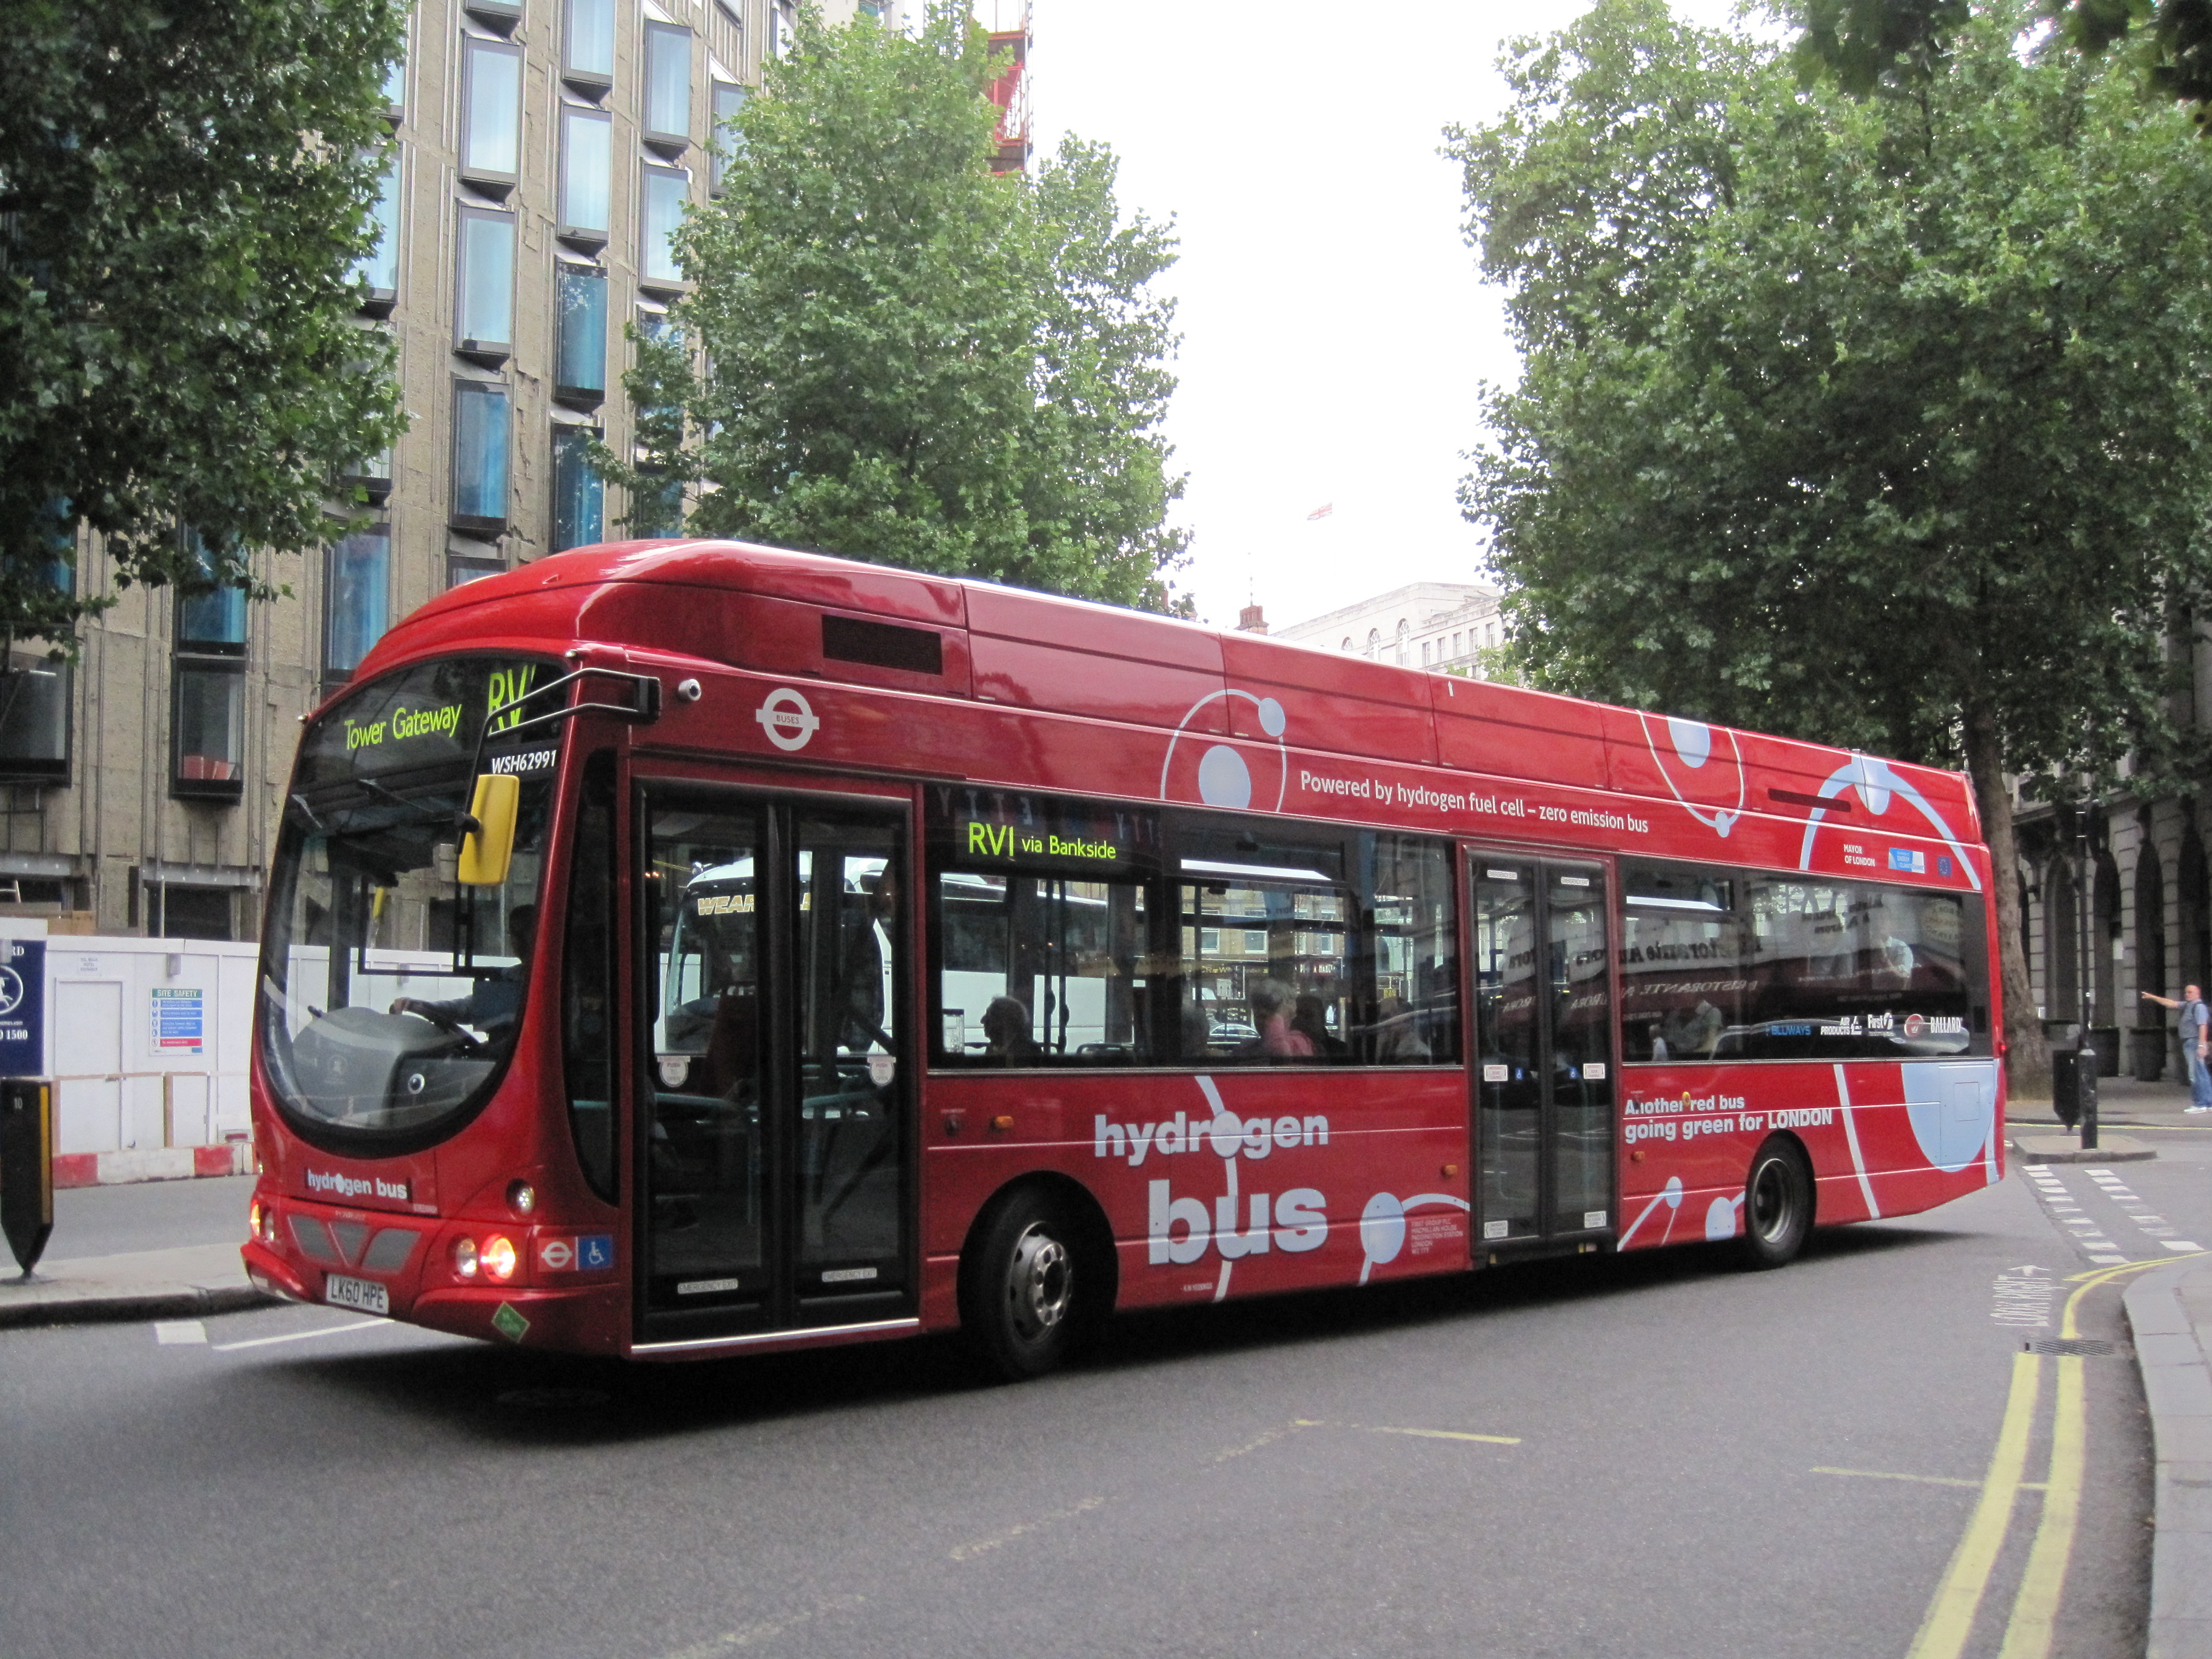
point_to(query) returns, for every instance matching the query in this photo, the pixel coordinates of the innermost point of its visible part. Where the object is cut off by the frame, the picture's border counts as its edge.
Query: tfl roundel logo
(787, 718)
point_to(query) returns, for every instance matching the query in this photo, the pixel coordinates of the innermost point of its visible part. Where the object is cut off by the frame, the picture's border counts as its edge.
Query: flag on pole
(1321, 512)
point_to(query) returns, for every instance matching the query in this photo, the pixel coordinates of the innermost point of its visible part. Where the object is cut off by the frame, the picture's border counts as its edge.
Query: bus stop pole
(27, 1167)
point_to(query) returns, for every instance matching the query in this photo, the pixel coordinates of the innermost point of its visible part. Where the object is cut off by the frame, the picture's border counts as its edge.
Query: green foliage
(1898, 438)
(1865, 44)
(907, 359)
(183, 188)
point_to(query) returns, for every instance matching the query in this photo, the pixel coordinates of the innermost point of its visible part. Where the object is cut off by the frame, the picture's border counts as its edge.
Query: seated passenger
(1278, 1038)
(1310, 1021)
(1007, 1039)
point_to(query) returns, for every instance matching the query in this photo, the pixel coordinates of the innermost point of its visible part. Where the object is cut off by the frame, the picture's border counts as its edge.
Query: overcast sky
(1335, 327)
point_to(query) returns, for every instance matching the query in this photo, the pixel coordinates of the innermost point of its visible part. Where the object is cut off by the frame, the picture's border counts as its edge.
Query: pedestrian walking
(2196, 1036)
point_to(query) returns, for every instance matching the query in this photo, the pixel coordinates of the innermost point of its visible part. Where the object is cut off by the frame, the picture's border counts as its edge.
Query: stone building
(1443, 625)
(543, 151)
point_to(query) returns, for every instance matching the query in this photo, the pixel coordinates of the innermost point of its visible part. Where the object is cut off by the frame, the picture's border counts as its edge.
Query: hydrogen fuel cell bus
(681, 949)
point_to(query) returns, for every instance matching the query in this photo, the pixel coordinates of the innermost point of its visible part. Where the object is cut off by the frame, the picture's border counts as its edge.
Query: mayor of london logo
(787, 718)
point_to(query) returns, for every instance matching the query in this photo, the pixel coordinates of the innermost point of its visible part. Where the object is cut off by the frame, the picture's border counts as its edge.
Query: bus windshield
(391, 994)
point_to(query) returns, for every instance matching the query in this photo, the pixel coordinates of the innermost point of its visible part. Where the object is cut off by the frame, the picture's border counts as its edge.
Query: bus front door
(1544, 1074)
(774, 1168)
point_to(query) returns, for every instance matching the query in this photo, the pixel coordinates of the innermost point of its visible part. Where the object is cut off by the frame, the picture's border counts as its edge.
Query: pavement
(2169, 1310)
(140, 1252)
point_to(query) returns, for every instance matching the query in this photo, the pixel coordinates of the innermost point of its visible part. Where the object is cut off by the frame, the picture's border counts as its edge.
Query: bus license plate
(362, 1293)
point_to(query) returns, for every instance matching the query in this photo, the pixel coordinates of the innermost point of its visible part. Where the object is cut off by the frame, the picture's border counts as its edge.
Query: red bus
(687, 948)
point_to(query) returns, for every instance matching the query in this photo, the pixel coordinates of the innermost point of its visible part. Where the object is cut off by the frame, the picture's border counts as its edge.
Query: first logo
(787, 718)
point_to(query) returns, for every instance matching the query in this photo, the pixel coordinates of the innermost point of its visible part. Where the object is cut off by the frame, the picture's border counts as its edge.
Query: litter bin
(2067, 1073)
(2150, 1052)
(2105, 1039)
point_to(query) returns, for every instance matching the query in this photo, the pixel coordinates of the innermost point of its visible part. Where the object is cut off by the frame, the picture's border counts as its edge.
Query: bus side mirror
(488, 847)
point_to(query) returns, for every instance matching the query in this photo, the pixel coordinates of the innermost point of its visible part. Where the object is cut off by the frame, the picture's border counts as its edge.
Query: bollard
(27, 1166)
(2086, 1094)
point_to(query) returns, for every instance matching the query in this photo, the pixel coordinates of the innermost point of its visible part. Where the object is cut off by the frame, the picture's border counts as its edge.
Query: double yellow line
(2028, 1633)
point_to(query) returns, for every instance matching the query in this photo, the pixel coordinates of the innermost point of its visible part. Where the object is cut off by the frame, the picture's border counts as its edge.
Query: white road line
(299, 1336)
(171, 1332)
(2180, 1244)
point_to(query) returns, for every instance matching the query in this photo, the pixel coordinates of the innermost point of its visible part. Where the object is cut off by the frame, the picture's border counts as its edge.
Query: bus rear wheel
(1025, 1296)
(1777, 1205)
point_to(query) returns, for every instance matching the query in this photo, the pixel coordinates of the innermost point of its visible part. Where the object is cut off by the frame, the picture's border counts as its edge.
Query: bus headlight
(254, 1220)
(499, 1257)
(521, 1197)
(464, 1258)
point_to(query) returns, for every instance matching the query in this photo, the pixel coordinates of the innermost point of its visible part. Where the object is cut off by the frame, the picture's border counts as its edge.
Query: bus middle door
(1544, 1074)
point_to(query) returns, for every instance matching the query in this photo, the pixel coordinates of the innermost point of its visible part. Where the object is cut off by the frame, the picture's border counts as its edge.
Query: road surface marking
(169, 1331)
(299, 1336)
(1950, 1619)
(1449, 1434)
(2035, 1610)
(1925, 1479)
(969, 1551)
(763, 1630)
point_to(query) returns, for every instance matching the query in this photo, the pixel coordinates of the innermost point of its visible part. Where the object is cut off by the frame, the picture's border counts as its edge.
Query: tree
(906, 358)
(1898, 436)
(183, 188)
(1864, 44)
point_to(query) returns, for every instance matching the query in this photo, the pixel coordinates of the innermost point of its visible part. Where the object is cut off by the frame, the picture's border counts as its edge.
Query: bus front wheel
(1777, 1204)
(1025, 1294)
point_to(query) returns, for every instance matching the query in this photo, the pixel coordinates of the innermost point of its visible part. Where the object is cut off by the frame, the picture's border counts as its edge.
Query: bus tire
(1026, 1288)
(1777, 1204)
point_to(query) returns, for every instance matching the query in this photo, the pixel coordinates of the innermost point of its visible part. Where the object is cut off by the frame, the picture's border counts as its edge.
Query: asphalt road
(1649, 1455)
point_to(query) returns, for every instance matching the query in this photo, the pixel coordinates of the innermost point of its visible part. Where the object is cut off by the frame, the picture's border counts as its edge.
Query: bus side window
(1036, 968)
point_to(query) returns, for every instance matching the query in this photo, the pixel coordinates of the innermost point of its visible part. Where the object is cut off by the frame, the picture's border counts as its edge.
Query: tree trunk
(2027, 1056)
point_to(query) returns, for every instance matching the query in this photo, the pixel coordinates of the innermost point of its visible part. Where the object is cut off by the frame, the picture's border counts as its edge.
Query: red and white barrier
(152, 1163)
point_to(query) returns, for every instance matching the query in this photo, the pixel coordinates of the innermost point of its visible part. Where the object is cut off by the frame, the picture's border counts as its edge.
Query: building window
(395, 86)
(665, 189)
(175, 911)
(483, 312)
(483, 424)
(212, 623)
(491, 130)
(207, 731)
(357, 599)
(580, 374)
(657, 510)
(501, 14)
(460, 572)
(1425, 653)
(378, 270)
(729, 99)
(578, 497)
(34, 720)
(372, 474)
(587, 43)
(667, 85)
(587, 174)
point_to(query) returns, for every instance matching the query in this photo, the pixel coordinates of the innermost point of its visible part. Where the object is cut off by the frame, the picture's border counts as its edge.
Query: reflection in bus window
(1039, 966)
(1730, 965)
